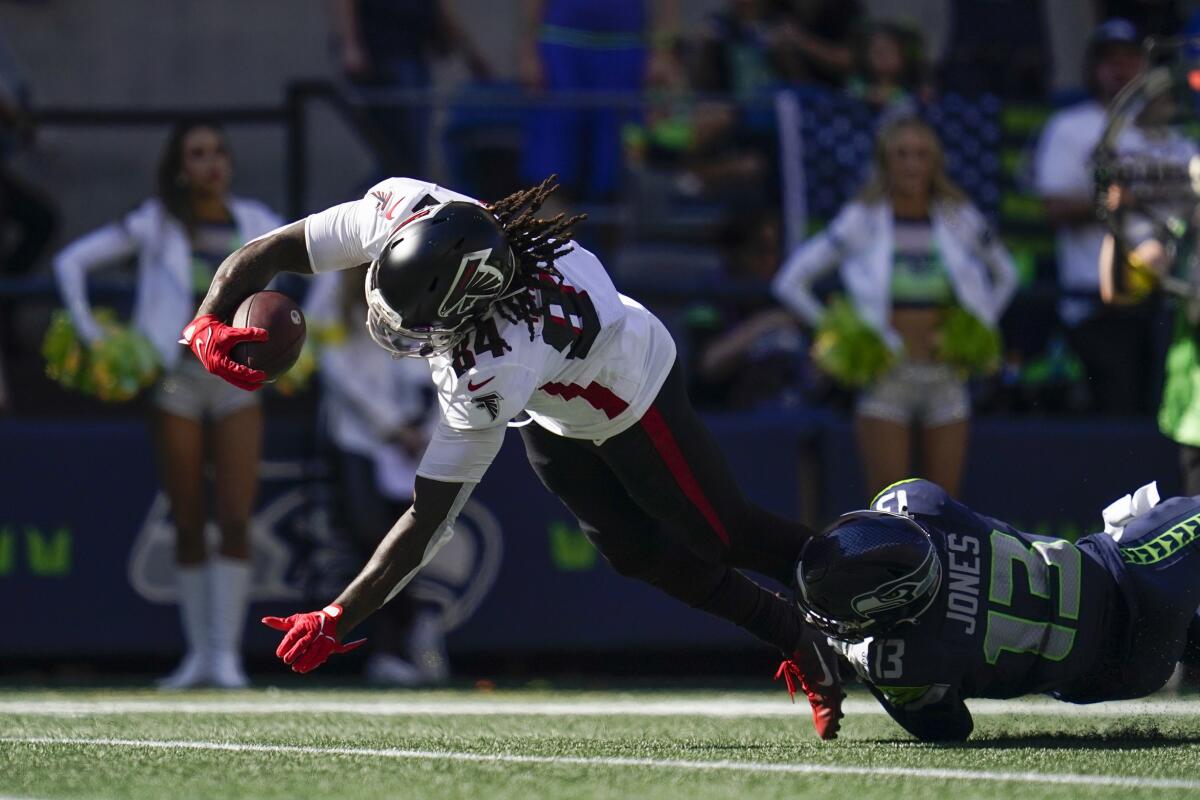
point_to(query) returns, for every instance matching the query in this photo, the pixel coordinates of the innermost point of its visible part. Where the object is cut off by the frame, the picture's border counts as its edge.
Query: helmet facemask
(435, 278)
(387, 328)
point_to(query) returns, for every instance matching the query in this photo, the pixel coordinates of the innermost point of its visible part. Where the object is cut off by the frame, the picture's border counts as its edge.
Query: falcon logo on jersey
(475, 283)
(382, 198)
(489, 402)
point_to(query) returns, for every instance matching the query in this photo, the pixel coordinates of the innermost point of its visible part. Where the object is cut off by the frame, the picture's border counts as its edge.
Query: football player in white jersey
(514, 317)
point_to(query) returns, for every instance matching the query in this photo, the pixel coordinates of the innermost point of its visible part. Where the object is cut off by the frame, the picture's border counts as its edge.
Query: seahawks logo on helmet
(489, 402)
(476, 282)
(902, 591)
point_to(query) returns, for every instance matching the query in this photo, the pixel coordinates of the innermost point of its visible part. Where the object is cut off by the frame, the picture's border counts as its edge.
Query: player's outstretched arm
(311, 638)
(411, 543)
(945, 720)
(252, 266)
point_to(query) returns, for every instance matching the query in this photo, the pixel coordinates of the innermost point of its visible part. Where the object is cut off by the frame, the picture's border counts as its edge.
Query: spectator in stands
(699, 144)
(749, 353)
(734, 146)
(736, 53)
(815, 40)
(890, 69)
(999, 47)
(391, 44)
(179, 238)
(1152, 157)
(377, 413)
(909, 248)
(1114, 343)
(27, 217)
(582, 46)
(1157, 18)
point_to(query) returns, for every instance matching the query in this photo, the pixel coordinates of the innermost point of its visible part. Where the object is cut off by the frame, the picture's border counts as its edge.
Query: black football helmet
(440, 270)
(867, 573)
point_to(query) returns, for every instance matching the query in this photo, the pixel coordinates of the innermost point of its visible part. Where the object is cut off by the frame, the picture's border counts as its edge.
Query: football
(283, 321)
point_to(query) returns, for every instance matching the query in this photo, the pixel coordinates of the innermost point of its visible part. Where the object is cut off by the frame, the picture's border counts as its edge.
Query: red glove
(211, 340)
(310, 638)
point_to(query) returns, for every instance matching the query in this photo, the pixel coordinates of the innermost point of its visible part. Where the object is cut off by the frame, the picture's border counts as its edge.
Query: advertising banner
(86, 542)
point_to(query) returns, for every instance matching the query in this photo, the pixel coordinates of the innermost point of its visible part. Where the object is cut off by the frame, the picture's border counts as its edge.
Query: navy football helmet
(440, 271)
(867, 573)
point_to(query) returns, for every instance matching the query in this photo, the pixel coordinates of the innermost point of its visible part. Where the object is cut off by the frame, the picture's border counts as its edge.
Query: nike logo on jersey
(473, 386)
(392, 211)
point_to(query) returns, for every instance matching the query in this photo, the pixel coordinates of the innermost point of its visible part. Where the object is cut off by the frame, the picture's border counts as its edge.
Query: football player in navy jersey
(933, 603)
(515, 318)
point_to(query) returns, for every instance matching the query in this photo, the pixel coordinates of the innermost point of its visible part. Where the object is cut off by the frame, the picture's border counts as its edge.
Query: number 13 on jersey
(1007, 632)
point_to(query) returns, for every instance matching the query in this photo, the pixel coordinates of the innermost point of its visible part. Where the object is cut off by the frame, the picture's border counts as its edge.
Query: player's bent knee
(678, 579)
(638, 565)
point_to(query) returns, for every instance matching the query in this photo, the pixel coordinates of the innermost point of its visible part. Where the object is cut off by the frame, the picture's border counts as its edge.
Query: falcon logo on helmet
(477, 282)
(440, 271)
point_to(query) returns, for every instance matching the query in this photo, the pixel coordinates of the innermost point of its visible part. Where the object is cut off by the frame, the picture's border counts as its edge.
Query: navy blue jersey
(1016, 614)
(1155, 560)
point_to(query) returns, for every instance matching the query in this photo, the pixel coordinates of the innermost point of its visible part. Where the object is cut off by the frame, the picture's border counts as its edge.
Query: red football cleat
(814, 666)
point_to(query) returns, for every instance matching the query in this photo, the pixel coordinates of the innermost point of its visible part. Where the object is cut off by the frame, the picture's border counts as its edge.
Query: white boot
(1174, 684)
(427, 647)
(229, 587)
(384, 669)
(196, 667)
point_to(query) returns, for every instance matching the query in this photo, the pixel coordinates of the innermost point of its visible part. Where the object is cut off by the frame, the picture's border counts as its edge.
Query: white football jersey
(593, 366)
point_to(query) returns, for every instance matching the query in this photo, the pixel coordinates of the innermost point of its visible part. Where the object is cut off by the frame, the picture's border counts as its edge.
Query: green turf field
(539, 743)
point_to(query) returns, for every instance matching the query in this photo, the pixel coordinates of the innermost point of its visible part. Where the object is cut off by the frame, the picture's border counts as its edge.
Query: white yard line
(598, 761)
(499, 706)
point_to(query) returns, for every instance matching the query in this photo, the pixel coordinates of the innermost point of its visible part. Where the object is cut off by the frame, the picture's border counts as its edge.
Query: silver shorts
(929, 394)
(188, 390)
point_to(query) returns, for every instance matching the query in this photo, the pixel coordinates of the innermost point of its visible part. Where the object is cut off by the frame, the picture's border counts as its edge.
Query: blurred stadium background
(84, 530)
(753, 124)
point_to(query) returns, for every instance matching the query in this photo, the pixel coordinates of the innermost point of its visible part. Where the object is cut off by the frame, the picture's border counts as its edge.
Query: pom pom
(848, 349)
(114, 369)
(968, 344)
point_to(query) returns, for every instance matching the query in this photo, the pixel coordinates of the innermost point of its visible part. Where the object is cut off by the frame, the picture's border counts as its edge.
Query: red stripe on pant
(664, 442)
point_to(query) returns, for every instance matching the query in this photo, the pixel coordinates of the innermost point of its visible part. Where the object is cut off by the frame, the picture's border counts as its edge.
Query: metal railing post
(296, 174)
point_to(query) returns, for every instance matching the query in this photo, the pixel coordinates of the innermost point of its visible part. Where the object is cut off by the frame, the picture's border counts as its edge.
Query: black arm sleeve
(947, 720)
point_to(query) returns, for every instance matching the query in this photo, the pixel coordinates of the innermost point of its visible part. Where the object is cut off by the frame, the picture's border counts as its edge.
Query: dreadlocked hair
(536, 243)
